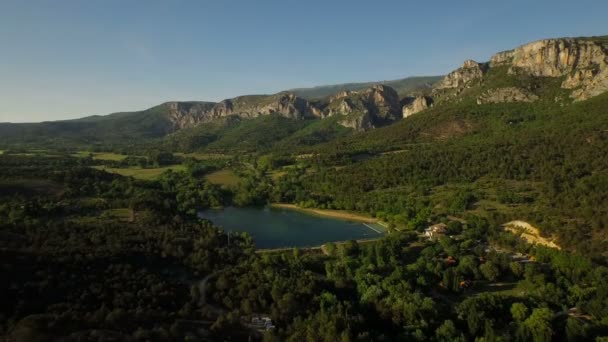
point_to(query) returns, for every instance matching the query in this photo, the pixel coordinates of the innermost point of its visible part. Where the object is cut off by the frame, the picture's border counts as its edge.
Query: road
(202, 289)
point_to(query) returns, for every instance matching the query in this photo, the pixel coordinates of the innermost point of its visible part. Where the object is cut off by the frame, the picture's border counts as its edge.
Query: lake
(276, 227)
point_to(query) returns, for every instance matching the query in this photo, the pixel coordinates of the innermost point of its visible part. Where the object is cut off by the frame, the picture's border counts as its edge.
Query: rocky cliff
(368, 108)
(372, 107)
(189, 114)
(462, 76)
(584, 63)
(284, 104)
(416, 104)
(581, 62)
(507, 94)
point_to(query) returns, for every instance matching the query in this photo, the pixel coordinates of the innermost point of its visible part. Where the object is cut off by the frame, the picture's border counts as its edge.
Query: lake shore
(340, 214)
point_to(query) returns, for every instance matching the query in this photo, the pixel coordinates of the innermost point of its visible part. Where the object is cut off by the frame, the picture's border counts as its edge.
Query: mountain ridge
(403, 86)
(557, 70)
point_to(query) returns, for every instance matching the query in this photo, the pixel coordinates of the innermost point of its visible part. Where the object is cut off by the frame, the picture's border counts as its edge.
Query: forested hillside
(97, 256)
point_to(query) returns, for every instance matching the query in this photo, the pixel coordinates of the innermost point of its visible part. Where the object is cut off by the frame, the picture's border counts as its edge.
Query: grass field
(139, 173)
(123, 214)
(24, 154)
(101, 155)
(276, 174)
(505, 289)
(223, 177)
(203, 156)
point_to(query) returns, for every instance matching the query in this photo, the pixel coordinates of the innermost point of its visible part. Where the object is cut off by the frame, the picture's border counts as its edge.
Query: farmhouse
(435, 231)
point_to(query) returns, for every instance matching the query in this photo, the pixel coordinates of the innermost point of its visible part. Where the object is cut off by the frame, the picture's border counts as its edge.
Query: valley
(470, 206)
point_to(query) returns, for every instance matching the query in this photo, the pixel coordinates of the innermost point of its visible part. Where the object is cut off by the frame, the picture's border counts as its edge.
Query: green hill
(124, 128)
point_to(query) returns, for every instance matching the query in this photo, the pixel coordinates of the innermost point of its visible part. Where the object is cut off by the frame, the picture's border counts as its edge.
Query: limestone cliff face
(460, 77)
(507, 94)
(583, 62)
(189, 114)
(551, 57)
(284, 104)
(365, 109)
(417, 104)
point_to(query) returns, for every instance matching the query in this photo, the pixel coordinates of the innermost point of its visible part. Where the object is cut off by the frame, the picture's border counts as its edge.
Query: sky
(62, 59)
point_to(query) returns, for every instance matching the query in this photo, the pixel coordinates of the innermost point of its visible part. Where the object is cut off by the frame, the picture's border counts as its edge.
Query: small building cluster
(435, 231)
(262, 323)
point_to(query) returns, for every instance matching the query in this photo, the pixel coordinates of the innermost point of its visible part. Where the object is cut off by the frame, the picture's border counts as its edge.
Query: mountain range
(551, 71)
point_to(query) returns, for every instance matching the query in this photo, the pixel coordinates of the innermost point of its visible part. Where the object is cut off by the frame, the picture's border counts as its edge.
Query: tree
(519, 311)
(489, 271)
(450, 280)
(447, 332)
(349, 248)
(516, 268)
(162, 158)
(539, 325)
(330, 248)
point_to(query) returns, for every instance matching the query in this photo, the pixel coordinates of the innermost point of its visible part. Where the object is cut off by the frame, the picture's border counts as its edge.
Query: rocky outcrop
(462, 76)
(189, 114)
(415, 105)
(584, 63)
(508, 94)
(365, 109)
(588, 83)
(284, 104)
(552, 57)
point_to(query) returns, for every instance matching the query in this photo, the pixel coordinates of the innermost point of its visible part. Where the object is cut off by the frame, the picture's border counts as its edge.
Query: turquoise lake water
(275, 227)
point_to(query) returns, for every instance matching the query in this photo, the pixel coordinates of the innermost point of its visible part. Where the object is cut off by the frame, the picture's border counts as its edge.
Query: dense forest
(91, 255)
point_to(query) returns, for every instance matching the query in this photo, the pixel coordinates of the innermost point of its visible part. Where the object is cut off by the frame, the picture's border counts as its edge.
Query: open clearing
(204, 156)
(139, 173)
(123, 214)
(223, 177)
(529, 233)
(101, 155)
(276, 174)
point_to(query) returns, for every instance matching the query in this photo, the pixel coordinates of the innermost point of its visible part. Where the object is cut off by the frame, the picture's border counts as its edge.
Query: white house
(435, 231)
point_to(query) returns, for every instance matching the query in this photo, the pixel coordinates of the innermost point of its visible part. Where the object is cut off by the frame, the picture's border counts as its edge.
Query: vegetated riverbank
(340, 214)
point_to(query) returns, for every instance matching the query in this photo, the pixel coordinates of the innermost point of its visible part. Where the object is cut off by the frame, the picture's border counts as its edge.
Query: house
(262, 323)
(435, 231)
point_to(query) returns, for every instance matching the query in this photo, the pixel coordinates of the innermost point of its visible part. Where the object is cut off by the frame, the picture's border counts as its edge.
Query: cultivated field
(223, 177)
(139, 173)
(203, 156)
(101, 155)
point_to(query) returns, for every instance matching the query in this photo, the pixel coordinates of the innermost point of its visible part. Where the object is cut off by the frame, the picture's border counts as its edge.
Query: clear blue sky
(66, 59)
